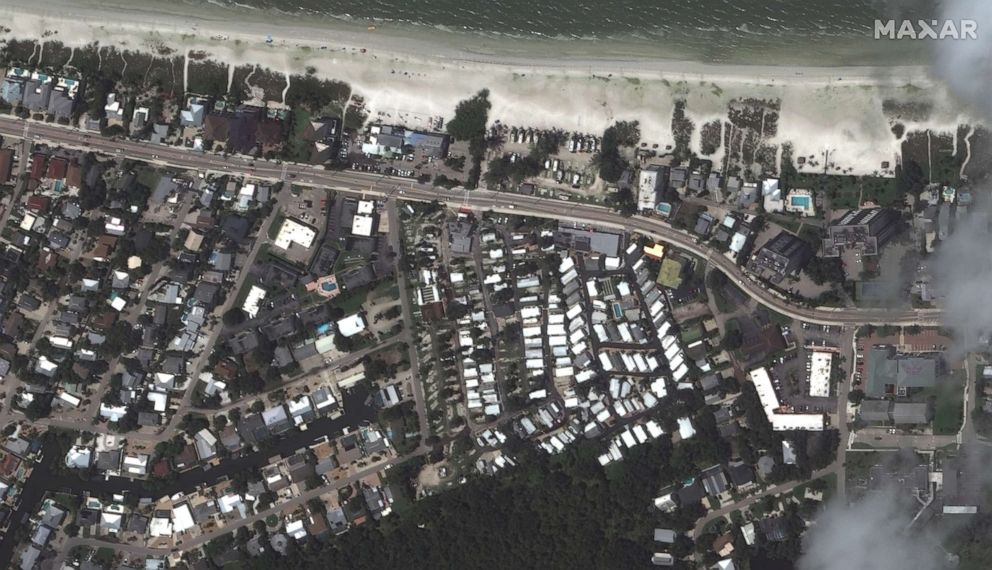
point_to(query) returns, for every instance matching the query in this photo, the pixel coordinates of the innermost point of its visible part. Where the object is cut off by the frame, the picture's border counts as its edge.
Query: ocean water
(831, 31)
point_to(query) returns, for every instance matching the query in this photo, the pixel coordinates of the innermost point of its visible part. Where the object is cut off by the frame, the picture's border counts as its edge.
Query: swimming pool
(800, 201)
(327, 286)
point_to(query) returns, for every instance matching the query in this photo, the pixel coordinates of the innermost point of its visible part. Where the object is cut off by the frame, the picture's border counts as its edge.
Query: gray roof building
(591, 240)
(12, 90)
(875, 411)
(60, 104)
(911, 413)
(866, 230)
(783, 255)
(37, 95)
(892, 374)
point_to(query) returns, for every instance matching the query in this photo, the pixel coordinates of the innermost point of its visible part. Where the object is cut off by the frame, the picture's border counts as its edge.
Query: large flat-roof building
(821, 363)
(590, 240)
(390, 141)
(296, 232)
(773, 408)
(899, 413)
(892, 374)
(866, 230)
(650, 182)
(782, 255)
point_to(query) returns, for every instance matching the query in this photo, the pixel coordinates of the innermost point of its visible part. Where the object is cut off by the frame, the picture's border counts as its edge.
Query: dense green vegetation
(610, 161)
(502, 170)
(564, 512)
(316, 95)
(825, 270)
(469, 124)
(972, 543)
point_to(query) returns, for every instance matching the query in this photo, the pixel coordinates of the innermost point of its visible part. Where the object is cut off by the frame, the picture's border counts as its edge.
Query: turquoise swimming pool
(800, 201)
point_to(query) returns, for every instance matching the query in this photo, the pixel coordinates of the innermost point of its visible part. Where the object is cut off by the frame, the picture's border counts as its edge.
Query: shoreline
(414, 80)
(246, 27)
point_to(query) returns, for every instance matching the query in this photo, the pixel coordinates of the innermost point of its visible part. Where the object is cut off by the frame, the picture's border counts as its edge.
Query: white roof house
(160, 526)
(819, 373)
(112, 413)
(296, 232)
(361, 225)
(182, 518)
(648, 184)
(111, 522)
(252, 301)
(136, 464)
(351, 325)
(79, 457)
(771, 193)
(296, 530)
(366, 206)
(159, 400)
(205, 443)
(230, 503)
(769, 401)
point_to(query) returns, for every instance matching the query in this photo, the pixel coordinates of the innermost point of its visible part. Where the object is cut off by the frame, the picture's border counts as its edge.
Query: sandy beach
(406, 76)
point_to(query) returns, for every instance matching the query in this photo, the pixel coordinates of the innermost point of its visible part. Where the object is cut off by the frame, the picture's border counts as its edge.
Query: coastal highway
(480, 200)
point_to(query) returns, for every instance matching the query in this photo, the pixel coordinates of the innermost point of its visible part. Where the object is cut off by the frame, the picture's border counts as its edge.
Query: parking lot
(792, 371)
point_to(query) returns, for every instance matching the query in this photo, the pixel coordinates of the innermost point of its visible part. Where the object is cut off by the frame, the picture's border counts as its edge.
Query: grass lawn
(691, 332)
(351, 301)
(949, 410)
(299, 149)
(844, 189)
(722, 301)
(387, 289)
(882, 191)
(811, 234)
(830, 480)
(148, 177)
(243, 292)
(858, 463)
(786, 222)
(778, 318)
(276, 225)
(946, 165)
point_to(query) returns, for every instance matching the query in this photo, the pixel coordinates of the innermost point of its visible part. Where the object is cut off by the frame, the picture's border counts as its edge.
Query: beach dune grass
(86, 60)
(208, 78)
(54, 56)
(166, 74)
(319, 96)
(297, 148)
(272, 83)
(239, 89)
(19, 52)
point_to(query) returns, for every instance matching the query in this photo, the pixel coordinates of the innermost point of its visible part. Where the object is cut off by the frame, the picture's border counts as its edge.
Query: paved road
(201, 360)
(346, 360)
(232, 526)
(776, 490)
(411, 336)
(21, 181)
(374, 184)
